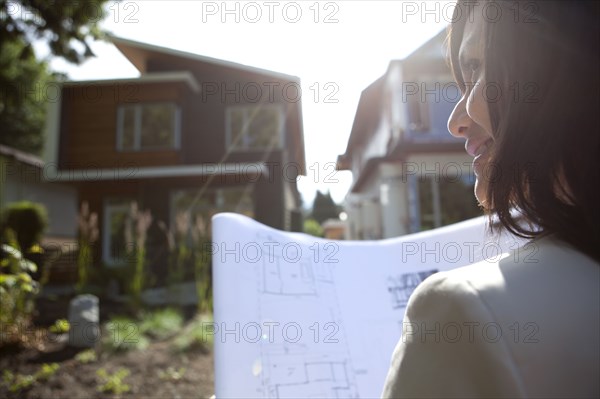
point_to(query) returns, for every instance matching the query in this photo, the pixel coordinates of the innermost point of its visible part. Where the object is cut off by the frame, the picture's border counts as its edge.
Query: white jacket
(522, 327)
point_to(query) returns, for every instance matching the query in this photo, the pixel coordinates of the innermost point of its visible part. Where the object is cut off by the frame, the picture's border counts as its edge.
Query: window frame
(137, 129)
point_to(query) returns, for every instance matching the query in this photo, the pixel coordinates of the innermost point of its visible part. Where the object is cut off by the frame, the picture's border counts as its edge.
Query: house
(409, 173)
(334, 229)
(191, 136)
(22, 179)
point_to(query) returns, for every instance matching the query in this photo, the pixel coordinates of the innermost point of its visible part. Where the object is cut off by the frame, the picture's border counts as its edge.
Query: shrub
(197, 335)
(19, 382)
(17, 289)
(86, 356)
(113, 383)
(313, 228)
(161, 323)
(60, 326)
(123, 334)
(28, 220)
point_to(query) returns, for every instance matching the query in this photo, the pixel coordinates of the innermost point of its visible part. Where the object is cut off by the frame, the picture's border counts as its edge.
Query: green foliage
(197, 335)
(113, 383)
(17, 288)
(172, 374)
(60, 326)
(24, 89)
(191, 250)
(312, 227)
(136, 233)
(86, 356)
(123, 334)
(28, 220)
(23, 224)
(161, 323)
(203, 274)
(19, 382)
(65, 25)
(324, 208)
(47, 371)
(24, 80)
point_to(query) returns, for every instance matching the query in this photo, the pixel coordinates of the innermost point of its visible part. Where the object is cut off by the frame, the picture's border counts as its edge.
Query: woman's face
(470, 118)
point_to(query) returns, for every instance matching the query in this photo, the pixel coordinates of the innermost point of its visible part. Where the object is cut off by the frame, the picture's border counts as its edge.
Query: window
(193, 208)
(255, 127)
(444, 201)
(418, 113)
(116, 220)
(151, 126)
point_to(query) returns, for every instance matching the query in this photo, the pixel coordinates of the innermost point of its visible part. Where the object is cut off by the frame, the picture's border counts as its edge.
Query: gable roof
(139, 53)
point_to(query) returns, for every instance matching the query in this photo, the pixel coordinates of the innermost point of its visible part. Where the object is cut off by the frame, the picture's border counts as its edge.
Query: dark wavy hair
(542, 62)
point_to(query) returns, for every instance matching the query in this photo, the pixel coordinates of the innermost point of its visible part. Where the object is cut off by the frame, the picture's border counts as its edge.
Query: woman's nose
(459, 120)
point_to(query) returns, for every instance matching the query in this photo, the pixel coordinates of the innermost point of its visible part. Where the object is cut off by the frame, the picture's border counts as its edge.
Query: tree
(24, 79)
(324, 208)
(22, 106)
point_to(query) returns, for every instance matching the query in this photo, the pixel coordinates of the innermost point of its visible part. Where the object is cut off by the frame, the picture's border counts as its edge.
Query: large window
(255, 127)
(193, 208)
(151, 126)
(444, 201)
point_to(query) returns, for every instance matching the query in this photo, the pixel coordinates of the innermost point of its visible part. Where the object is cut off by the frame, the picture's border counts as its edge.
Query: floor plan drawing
(309, 356)
(401, 286)
(296, 316)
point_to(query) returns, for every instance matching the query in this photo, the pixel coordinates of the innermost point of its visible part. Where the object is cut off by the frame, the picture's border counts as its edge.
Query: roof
(138, 53)
(21, 156)
(152, 77)
(371, 98)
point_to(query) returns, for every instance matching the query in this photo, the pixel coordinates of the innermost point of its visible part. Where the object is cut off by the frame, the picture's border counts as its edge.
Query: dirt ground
(146, 380)
(151, 369)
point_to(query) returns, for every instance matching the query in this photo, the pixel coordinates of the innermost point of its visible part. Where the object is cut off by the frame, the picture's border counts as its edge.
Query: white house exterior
(409, 173)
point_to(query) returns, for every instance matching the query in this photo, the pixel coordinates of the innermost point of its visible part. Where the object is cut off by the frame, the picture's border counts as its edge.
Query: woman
(529, 114)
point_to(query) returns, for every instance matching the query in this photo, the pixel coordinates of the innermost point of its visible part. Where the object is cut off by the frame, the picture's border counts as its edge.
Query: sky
(336, 48)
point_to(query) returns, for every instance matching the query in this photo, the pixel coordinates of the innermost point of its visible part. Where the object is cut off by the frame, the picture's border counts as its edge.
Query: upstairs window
(418, 113)
(255, 127)
(151, 126)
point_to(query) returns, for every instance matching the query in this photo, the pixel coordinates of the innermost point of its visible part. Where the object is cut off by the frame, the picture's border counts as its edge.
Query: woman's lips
(477, 148)
(480, 156)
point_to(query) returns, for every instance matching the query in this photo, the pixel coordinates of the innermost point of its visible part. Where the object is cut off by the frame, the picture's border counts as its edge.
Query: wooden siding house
(190, 136)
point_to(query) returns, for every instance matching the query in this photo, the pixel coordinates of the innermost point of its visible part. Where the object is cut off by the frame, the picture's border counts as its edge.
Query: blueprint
(299, 316)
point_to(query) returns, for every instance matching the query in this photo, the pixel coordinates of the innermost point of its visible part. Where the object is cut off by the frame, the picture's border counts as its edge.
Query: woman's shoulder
(510, 318)
(539, 285)
(547, 258)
